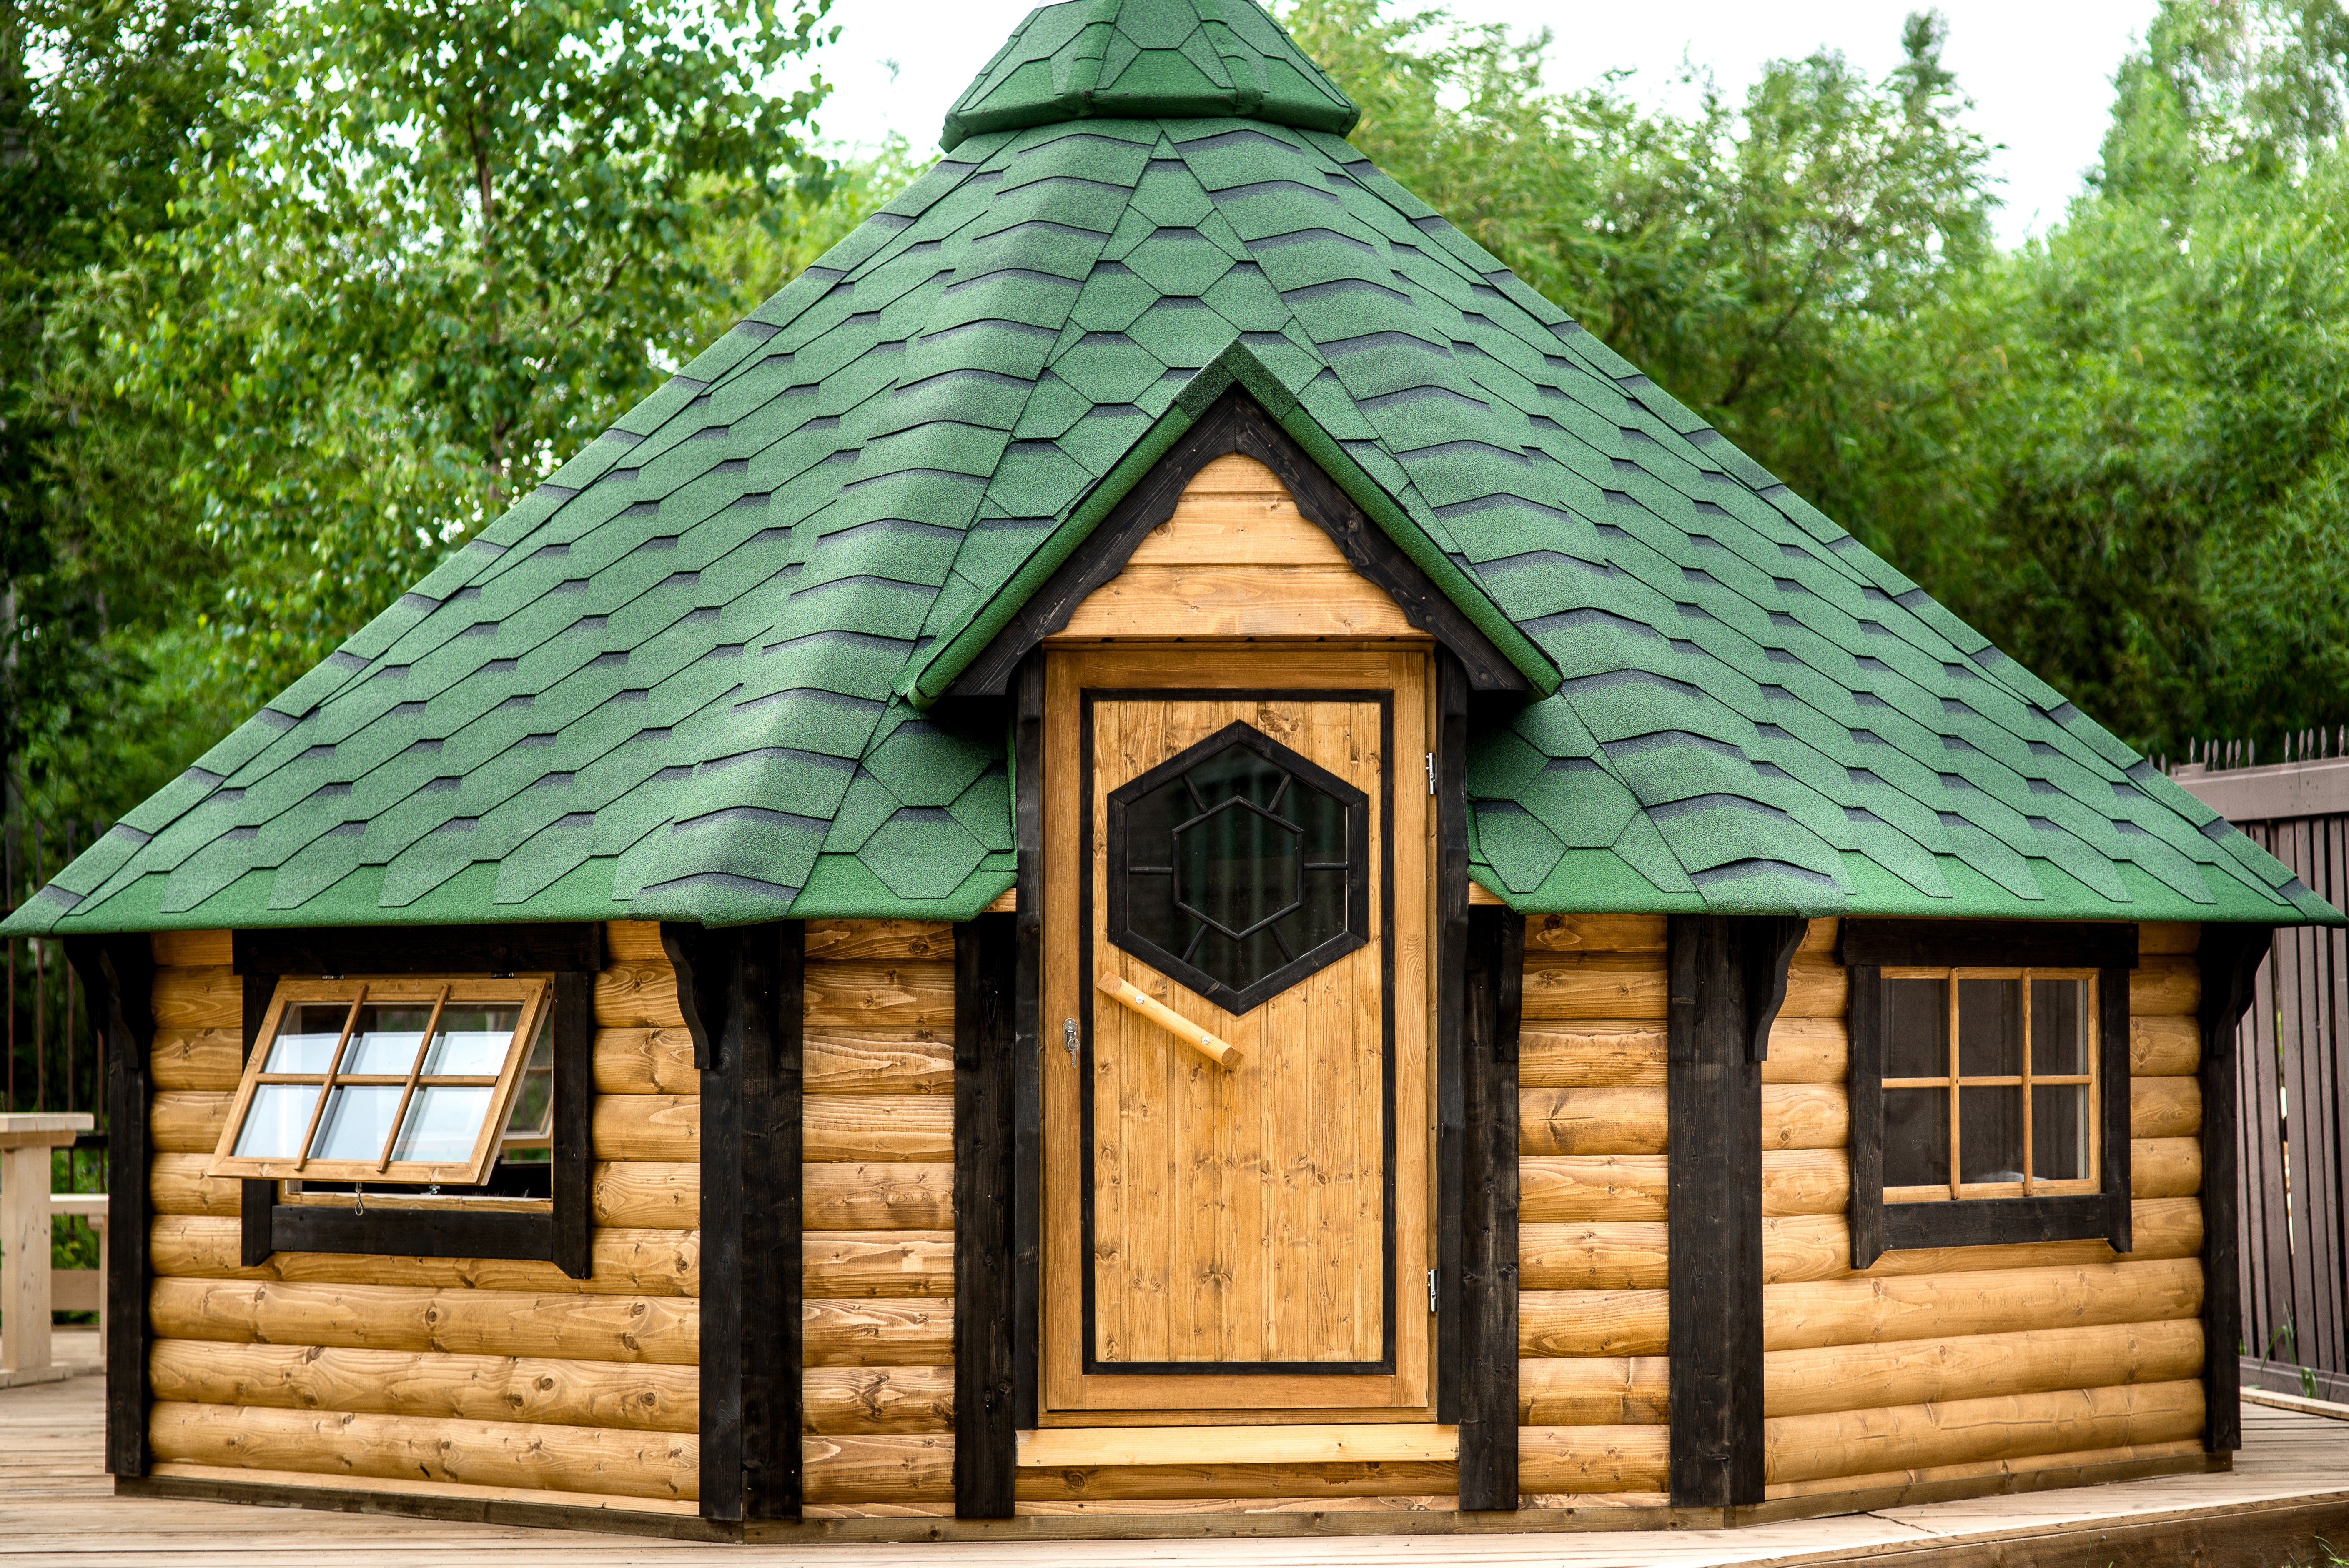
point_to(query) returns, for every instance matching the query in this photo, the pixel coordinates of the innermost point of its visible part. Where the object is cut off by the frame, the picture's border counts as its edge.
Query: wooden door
(1232, 832)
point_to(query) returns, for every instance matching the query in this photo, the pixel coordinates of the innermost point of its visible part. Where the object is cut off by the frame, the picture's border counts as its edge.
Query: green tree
(441, 246)
(101, 103)
(2121, 451)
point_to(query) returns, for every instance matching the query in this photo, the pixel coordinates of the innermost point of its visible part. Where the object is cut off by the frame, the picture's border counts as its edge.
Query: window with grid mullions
(1990, 1077)
(399, 1081)
(1989, 1082)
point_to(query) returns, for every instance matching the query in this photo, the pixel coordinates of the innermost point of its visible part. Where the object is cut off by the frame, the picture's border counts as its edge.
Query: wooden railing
(52, 1059)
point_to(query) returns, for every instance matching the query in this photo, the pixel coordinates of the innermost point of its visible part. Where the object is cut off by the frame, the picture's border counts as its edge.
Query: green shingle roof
(1148, 59)
(696, 675)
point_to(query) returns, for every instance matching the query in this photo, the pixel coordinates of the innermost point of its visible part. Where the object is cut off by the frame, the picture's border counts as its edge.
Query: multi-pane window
(399, 1081)
(1989, 1079)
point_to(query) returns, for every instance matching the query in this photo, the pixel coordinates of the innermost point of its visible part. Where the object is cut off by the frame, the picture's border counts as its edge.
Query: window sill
(413, 1233)
(2001, 1222)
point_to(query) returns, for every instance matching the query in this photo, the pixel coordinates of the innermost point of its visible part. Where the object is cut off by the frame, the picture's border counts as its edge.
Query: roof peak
(1148, 59)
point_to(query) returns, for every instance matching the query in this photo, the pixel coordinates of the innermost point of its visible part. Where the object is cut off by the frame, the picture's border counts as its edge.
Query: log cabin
(1159, 856)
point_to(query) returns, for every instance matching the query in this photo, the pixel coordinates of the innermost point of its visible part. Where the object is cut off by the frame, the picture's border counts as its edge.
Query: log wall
(1593, 1390)
(878, 1199)
(1959, 1362)
(449, 1373)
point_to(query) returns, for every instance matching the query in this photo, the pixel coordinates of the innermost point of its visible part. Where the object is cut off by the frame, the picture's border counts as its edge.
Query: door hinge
(1431, 1289)
(1430, 772)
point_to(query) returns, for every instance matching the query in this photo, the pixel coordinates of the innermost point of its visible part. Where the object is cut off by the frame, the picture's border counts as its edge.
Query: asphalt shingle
(696, 675)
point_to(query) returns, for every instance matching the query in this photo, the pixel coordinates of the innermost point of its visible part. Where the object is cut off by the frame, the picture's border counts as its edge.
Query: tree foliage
(2118, 450)
(441, 246)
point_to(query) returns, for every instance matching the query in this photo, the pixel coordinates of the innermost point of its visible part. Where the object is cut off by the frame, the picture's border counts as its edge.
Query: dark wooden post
(986, 1170)
(1488, 1216)
(117, 975)
(742, 994)
(1450, 980)
(572, 1124)
(2229, 957)
(1728, 976)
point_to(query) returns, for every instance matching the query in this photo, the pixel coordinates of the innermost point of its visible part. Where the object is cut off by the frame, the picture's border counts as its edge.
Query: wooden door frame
(1300, 672)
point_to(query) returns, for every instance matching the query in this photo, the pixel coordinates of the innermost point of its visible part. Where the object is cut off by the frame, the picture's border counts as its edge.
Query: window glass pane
(534, 1098)
(2059, 1131)
(442, 1123)
(1990, 1031)
(305, 1041)
(357, 1120)
(279, 1116)
(2059, 1026)
(384, 1044)
(1917, 1030)
(1990, 1133)
(472, 1040)
(1916, 1138)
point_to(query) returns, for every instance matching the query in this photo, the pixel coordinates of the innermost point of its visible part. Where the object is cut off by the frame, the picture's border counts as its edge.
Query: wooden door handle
(1223, 1053)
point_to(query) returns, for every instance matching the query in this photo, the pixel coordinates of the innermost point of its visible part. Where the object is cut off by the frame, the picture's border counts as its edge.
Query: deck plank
(56, 1506)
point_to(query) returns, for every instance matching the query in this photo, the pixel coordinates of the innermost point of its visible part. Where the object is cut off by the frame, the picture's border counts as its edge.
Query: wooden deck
(2289, 1492)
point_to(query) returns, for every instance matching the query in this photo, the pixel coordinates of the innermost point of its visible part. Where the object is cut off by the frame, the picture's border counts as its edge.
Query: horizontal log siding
(1981, 1362)
(878, 1218)
(469, 1373)
(1593, 1255)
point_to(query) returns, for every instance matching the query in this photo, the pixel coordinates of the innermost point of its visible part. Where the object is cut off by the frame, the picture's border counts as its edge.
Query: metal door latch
(1431, 1291)
(1430, 772)
(1069, 1038)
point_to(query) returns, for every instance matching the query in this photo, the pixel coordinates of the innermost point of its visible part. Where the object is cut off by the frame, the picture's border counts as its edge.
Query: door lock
(1069, 1038)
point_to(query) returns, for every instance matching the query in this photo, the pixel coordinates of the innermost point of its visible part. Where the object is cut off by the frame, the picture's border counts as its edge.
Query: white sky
(2040, 71)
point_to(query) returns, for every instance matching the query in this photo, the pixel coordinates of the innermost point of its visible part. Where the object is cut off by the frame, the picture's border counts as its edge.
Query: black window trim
(572, 954)
(1869, 948)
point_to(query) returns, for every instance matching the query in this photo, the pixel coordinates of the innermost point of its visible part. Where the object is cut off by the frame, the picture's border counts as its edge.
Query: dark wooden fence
(2295, 1072)
(55, 1058)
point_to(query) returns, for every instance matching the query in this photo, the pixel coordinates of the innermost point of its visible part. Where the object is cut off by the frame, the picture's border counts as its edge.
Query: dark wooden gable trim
(1721, 1001)
(743, 996)
(117, 975)
(2229, 957)
(575, 953)
(986, 1172)
(1236, 423)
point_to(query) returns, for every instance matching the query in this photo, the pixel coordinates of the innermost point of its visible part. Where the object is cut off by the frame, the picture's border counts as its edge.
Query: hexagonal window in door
(1239, 867)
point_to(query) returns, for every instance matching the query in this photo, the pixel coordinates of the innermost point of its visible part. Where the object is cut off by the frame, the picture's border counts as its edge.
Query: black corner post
(1451, 1003)
(741, 991)
(117, 975)
(2230, 958)
(1728, 976)
(985, 1182)
(1487, 1313)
